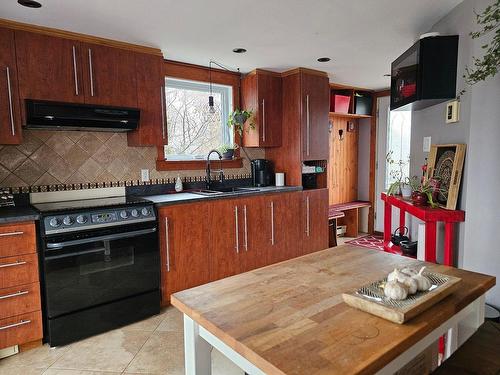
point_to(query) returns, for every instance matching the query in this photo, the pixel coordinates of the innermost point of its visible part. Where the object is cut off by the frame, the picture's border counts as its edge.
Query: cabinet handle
(8, 234)
(307, 217)
(20, 293)
(163, 118)
(308, 126)
(11, 113)
(236, 229)
(18, 263)
(22, 322)
(77, 92)
(272, 223)
(167, 241)
(91, 74)
(263, 120)
(245, 222)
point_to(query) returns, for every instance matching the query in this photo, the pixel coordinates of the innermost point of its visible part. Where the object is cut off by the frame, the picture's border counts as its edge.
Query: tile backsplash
(48, 158)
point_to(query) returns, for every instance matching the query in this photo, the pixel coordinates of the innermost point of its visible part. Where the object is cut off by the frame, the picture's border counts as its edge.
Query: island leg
(430, 241)
(197, 352)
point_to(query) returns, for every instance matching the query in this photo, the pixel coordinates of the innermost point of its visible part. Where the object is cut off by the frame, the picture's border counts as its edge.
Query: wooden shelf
(348, 115)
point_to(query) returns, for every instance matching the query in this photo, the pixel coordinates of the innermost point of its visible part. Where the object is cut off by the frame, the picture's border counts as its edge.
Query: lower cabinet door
(314, 220)
(20, 329)
(226, 239)
(184, 241)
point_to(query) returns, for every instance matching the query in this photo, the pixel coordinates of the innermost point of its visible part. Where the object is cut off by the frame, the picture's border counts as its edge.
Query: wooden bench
(345, 214)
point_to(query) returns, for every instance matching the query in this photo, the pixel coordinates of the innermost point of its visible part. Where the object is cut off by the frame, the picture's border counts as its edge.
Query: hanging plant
(238, 118)
(488, 65)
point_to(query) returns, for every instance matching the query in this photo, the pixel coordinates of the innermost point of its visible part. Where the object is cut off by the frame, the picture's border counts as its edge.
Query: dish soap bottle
(178, 184)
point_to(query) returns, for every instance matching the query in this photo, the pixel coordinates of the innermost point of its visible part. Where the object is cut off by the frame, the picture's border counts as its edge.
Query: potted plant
(238, 118)
(424, 192)
(395, 173)
(227, 150)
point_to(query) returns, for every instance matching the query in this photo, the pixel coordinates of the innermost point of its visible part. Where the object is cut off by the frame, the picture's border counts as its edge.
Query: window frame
(191, 72)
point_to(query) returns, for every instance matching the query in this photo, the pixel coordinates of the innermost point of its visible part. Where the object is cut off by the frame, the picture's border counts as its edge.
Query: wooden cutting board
(406, 310)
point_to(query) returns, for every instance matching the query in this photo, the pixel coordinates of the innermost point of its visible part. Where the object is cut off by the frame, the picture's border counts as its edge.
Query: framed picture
(445, 164)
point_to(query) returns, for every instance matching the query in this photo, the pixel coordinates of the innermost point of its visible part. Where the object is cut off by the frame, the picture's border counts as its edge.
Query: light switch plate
(144, 175)
(427, 144)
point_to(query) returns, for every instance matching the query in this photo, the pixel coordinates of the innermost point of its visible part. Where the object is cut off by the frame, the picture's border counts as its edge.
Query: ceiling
(361, 37)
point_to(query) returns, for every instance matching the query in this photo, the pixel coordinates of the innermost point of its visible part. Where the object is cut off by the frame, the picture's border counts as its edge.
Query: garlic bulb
(409, 271)
(395, 290)
(408, 281)
(423, 283)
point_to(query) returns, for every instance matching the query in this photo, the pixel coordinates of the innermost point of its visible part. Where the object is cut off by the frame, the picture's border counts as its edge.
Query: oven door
(85, 272)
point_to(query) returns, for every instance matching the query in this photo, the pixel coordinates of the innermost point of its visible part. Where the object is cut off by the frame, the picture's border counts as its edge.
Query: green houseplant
(238, 118)
(425, 191)
(227, 150)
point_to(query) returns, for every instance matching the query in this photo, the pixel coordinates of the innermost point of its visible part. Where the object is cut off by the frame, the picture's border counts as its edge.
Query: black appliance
(66, 116)
(262, 172)
(426, 74)
(100, 266)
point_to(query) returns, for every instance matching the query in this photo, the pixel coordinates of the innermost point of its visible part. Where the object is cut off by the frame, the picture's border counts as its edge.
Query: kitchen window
(193, 129)
(398, 144)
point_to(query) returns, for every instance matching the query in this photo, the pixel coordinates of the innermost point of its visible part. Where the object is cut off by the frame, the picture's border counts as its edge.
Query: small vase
(419, 199)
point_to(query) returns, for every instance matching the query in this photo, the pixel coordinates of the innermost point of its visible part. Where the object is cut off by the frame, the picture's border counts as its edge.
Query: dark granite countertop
(17, 213)
(183, 197)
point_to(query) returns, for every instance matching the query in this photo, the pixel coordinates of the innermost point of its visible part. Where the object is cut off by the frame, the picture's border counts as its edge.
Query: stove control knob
(68, 220)
(54, 222)
(134, 213)
(81, 219)
(123, 214)
(145, 211)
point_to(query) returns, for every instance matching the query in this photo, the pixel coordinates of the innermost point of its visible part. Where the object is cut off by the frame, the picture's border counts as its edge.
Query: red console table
(430, 216)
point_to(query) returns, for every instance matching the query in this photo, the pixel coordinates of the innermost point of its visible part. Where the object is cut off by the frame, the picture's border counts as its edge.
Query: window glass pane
(398, 145)
(194, 130)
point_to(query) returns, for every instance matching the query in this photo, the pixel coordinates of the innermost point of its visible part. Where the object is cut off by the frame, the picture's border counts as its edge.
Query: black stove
(100, 265)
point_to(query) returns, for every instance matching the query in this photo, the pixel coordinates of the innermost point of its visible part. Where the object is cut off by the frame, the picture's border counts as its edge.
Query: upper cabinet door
(152, 129)
(49, 68)
(10, 121)
(315, 108)
(261, 93)
(110, 76)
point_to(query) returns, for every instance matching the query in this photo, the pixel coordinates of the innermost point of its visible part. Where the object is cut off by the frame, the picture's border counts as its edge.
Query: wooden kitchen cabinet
(10, 115)
(184, 241)
(226, 241)
(261, 93)
(49, 68)
(110, 75)
(315, 107)
(314, 220)
(152, 129)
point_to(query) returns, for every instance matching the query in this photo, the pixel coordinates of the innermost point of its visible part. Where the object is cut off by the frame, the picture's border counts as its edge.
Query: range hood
(68, 116)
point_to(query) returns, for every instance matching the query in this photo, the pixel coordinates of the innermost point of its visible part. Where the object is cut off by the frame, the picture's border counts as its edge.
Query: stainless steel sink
(225, 191)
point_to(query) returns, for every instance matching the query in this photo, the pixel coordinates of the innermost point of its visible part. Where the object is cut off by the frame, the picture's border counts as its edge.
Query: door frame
(373, 157)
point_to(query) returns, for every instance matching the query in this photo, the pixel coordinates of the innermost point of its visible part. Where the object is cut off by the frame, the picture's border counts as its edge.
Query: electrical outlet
(427, 144)
(144, 175)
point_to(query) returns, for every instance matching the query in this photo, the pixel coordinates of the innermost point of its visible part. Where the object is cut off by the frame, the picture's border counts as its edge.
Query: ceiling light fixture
(324, 59)
(29, 3)
(239, 50)
(211, 104)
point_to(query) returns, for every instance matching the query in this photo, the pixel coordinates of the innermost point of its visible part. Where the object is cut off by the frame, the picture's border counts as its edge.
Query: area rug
(369, 241)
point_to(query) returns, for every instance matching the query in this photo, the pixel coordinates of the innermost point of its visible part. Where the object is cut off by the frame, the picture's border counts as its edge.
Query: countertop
(169, 199)
(17, 214)
(289, 318)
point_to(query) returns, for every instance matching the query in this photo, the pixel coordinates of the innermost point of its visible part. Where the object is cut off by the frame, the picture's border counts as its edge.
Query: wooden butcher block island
(289, 318)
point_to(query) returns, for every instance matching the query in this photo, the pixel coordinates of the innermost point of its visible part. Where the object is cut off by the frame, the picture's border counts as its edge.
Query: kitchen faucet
(208, 179)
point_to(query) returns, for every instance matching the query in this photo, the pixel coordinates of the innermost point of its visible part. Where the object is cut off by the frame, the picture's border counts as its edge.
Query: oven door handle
(117, 236)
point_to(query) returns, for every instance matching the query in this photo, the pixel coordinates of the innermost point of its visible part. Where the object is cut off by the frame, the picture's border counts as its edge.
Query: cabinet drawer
(20, 329)
(19, 300)
(17, 239)
(19, 270)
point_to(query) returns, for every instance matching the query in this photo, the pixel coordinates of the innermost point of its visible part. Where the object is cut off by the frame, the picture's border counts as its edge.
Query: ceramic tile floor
(152, 346)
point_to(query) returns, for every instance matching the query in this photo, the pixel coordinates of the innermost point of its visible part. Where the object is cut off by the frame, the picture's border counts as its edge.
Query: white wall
(479, 128)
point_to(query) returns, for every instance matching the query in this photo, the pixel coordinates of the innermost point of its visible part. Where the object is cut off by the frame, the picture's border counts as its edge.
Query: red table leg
(402, 218)
(430, 241)
(448, 243)
(387, 222)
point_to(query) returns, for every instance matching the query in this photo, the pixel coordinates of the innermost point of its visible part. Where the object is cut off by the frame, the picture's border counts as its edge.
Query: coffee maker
(262, 172)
